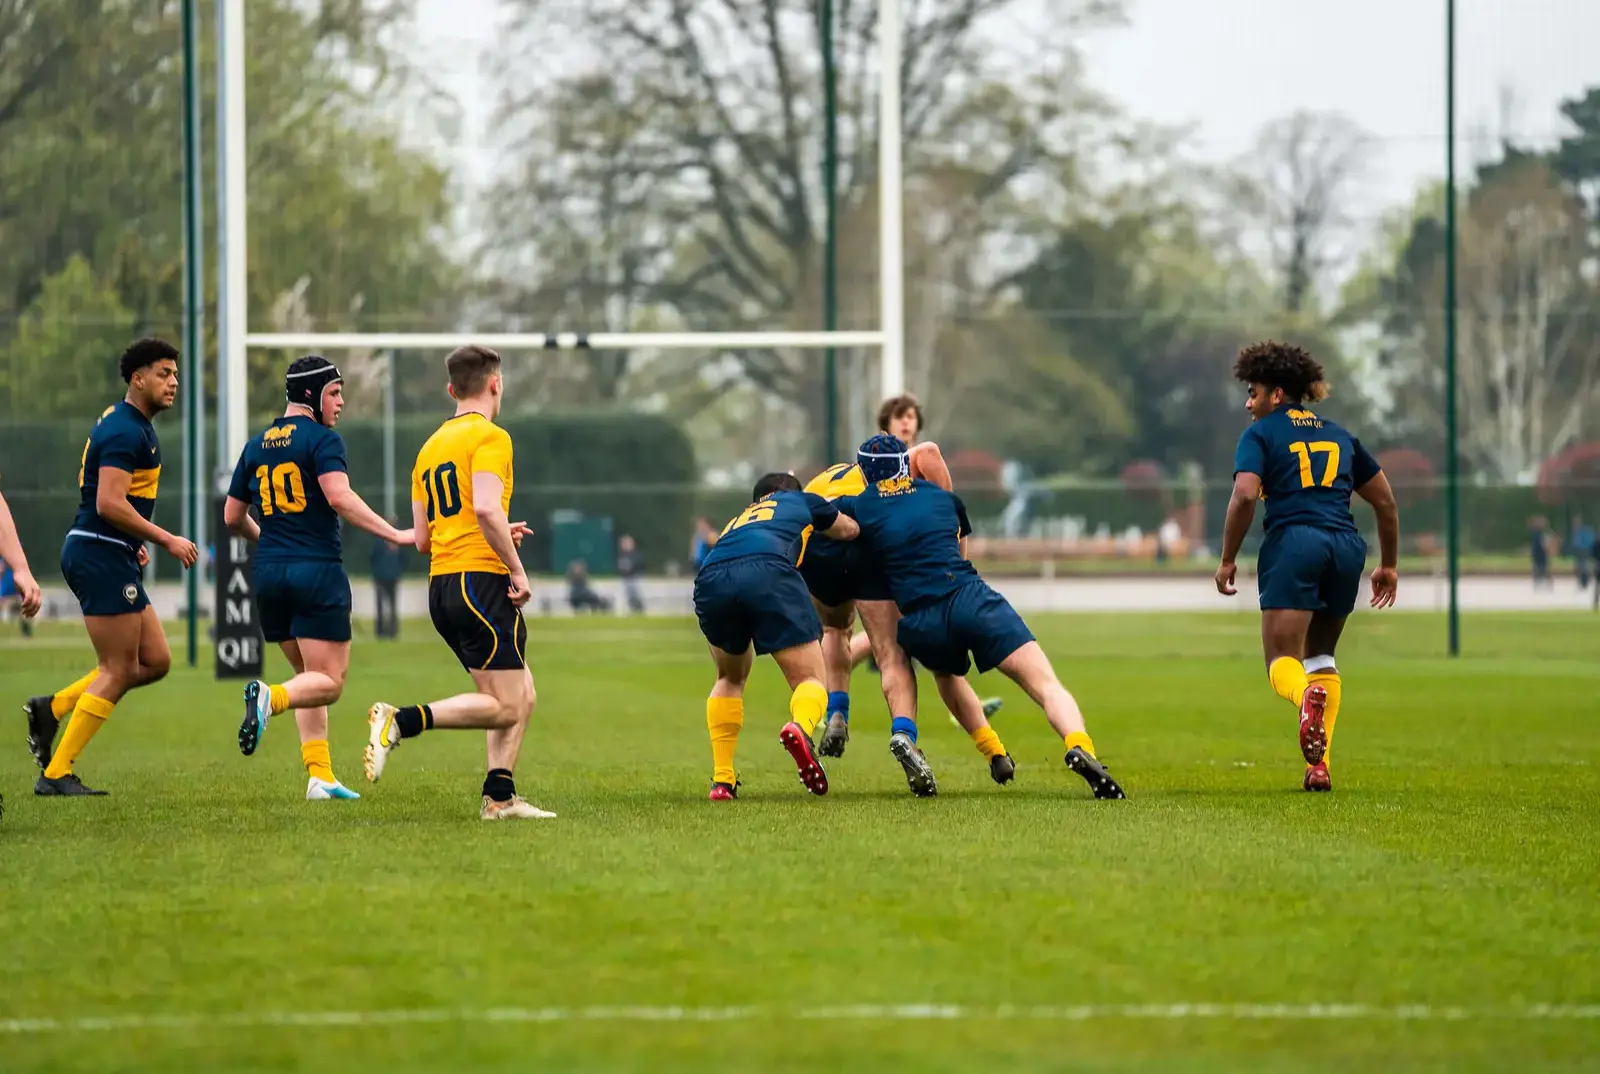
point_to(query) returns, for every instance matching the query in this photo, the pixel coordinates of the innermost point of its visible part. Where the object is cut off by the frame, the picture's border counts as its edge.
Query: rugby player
(843, 581)
(1309, 568)
(296, 475)
(750, 601)
(460, 496)
(950, 617)
(103, 559)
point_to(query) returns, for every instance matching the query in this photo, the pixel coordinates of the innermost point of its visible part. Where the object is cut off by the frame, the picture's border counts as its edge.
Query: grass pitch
(205, 917)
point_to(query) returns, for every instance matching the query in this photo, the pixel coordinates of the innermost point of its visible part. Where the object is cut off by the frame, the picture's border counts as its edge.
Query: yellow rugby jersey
(442, 481)
(842, 479)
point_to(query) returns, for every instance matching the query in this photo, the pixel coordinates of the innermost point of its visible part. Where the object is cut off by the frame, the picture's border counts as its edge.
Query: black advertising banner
(238, 631)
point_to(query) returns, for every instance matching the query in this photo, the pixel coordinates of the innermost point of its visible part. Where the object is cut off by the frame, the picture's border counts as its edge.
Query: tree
(63, 357)
(673, 181)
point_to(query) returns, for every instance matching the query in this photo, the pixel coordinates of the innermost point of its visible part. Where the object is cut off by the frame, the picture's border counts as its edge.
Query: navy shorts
(303, 600)
(1312, 570)
(104, 575)
(973, 619)
(755, 599)
(839, 572)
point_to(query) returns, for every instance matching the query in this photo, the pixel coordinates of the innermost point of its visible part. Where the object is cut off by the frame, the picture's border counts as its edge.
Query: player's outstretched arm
(236, 516)
(487, 488)
(1386, 579)
(830, 520)
(111, 503)
(335, 485)
(928, 463)
(1241, 512)
(11, 551)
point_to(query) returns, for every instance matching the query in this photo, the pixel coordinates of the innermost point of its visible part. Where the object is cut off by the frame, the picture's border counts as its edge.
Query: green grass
(1455, 865)
(1492, 564)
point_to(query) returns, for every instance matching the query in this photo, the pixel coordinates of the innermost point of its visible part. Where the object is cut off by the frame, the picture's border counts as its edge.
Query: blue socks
(839, 702)
(904, 725)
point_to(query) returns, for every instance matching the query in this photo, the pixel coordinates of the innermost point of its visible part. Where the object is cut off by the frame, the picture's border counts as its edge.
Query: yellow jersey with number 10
(841, 479)
(442, 482)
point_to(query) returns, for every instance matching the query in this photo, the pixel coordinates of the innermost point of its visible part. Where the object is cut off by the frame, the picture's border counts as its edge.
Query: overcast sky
(1230, 65)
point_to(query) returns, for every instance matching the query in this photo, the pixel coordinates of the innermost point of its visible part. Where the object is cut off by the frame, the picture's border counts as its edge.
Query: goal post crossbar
(515, 341)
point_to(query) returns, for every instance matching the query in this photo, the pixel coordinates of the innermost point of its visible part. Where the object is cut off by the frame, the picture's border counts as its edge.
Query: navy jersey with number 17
(1308, 467)
(777, 525)
(278, 472)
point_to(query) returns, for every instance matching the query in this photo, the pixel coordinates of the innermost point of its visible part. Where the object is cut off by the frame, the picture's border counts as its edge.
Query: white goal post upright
(235, 338)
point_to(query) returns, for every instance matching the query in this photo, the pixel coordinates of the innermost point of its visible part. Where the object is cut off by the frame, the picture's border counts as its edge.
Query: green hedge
(637, 469)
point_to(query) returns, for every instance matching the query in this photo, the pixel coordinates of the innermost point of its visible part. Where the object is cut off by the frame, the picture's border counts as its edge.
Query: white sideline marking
(918, 1012)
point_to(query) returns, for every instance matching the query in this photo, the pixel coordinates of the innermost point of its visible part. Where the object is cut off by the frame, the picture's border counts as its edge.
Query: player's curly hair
(1282, 365)
(142, 354)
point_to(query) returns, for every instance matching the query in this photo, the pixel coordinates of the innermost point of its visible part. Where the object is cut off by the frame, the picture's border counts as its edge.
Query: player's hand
(181, 549)
(143, 556)
(1227, 575)
(1385, 581)
(404, 537)
(29, 593)
(520, 590)
(519, 530)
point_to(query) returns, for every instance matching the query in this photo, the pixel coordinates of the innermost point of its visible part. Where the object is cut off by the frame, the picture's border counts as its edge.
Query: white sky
(1228, 66)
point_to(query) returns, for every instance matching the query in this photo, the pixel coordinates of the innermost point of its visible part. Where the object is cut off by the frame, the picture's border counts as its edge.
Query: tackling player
(1310, 565)
(296, 474)
(103, 559)
(751, 601)
(460, 493)
(950, 617)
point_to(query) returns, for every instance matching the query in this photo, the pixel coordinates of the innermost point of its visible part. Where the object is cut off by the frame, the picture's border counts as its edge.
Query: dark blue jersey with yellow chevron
(122, 439)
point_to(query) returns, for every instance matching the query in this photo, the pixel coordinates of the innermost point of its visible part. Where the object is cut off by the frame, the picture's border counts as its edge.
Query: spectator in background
(1582, 550)
(705, 539)
(388, 565)
(580, 594)
(1539, 551)
(630, 569)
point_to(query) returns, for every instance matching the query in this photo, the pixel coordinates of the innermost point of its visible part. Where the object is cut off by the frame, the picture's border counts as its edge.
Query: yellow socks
(988, 742)
(315, 756)
(724, 718)
(808, 705)
(65, 699)
(1329, 681)
(1077, 739)
(88, 715)
(1289, 681)
(278, 701)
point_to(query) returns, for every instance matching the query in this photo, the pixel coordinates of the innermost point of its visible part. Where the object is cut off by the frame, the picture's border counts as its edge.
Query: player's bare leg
(838, 645)
(803, 669)
(1283, 643)
(311, 688)
(1322, 639)
(881, 619)
(860, 649)
(725, 719)
(1030, 669)
(968, 711)
(514, 690)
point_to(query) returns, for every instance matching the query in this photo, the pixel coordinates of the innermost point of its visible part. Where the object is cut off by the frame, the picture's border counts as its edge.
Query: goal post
(235, 337)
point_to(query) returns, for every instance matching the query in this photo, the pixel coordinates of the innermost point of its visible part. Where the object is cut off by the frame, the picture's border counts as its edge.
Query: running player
(460, 493)
(103, 560)
(951, 618)
(1310, 565)
(295, 474)
(750, 601)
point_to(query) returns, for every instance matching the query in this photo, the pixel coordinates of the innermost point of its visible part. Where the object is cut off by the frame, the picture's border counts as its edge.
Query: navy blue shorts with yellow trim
(1304, 568)
(104, 575)
(760, 600)
(973, 619)
(473, 613)
(303, 600)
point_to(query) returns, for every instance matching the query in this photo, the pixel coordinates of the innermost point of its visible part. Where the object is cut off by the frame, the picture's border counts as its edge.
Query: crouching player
(295, 473)
(1310, 565)
(951, 618)
(751, 601)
